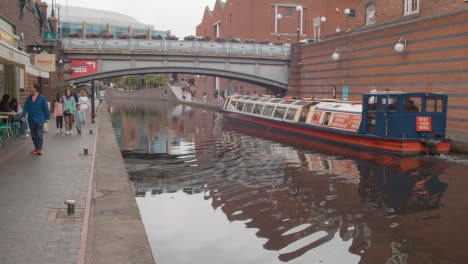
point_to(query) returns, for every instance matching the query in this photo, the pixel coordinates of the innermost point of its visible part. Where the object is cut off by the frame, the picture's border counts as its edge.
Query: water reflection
(307, 201)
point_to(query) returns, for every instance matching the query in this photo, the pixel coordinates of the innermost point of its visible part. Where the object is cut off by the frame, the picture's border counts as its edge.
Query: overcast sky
(180, 16)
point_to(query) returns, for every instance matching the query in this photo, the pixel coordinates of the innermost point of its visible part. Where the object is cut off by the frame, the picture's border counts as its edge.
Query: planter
(92, 35)
(74, 35)
(107, 36)
(157, 37)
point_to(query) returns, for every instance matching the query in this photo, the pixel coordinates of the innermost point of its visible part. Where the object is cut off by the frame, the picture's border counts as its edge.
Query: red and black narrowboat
(403, 123)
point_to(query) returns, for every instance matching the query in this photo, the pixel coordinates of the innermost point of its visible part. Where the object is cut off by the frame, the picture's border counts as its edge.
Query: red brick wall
(434, 61)
(256, 19)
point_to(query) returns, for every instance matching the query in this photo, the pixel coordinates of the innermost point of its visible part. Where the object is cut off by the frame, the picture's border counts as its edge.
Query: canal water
(214, 191)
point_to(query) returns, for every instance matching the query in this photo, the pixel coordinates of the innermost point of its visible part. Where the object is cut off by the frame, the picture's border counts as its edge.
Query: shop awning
(10, 55)
(33, 70)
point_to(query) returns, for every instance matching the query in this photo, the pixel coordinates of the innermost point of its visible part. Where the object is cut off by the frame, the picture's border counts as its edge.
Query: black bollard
(71, 207)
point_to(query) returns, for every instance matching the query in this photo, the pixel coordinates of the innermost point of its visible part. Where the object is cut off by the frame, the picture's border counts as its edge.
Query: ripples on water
(210, 191)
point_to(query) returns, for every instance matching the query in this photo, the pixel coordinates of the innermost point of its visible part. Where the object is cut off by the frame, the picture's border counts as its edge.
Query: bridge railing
(175, 45)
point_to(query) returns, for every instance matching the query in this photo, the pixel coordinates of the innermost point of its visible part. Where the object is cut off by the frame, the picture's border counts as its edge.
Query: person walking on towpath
(80, 118)
(84, 102)
(38, 113)
(69, 111)
(58, 113)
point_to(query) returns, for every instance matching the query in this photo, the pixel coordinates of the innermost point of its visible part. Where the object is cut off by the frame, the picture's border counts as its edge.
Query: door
(381, 116)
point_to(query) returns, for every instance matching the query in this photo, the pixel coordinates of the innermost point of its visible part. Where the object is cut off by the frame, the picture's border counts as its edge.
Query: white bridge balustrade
(175, 45)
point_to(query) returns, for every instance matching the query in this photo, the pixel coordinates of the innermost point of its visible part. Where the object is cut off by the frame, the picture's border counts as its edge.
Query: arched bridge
(264, 65)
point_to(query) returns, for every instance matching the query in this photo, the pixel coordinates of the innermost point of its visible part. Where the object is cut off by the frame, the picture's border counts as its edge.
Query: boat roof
(273, 100)
(400, 93)
(339, 107)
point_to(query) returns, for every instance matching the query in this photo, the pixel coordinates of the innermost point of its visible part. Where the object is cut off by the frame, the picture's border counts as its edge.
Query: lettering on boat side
(423, 124)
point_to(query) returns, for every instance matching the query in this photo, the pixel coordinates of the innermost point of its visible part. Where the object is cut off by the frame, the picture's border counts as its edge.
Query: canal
(212, 191)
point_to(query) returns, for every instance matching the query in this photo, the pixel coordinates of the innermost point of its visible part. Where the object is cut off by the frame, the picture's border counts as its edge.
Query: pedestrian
(80, 118)
(216, 93)
(84, 102)
(15, 107)
(58, 114)
(69, 110)
(38, 113)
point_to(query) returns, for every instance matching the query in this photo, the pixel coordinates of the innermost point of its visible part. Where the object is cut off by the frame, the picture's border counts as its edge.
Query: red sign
(82, 67)
(423, 124)
(346, 121)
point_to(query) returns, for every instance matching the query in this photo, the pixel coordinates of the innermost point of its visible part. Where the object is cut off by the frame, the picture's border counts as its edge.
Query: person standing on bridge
(38, 113)
(69, 110)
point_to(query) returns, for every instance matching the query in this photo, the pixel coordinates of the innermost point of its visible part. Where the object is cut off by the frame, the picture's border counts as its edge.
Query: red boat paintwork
(402, 147)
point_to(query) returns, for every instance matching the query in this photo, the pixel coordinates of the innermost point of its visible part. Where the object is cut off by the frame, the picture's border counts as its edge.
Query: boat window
(434, 105)
(255, 99)
(265, 99)
(240, 106)
(412, 104)
(268, 110)
(279, 112)
(236, 97)
(231, 105)
(382, 105)
(288, 102)
(326, 119)
(257, 109)
(276, 100)
(248, 108)
(301, 103)
(291, 114)
(304, 113)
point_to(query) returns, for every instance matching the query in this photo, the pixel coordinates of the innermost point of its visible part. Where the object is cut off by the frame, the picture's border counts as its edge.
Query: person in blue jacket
(38, 113)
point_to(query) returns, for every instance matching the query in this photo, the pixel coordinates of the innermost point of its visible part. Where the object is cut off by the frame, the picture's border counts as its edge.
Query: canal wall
(116, 231)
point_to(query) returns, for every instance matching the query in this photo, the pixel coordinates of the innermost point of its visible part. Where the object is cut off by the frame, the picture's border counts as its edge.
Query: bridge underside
(257, 80)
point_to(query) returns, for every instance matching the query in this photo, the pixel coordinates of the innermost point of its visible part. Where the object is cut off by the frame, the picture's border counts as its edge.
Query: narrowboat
(398, 122)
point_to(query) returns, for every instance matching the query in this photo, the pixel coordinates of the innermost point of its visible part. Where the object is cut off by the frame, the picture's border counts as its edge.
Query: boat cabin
(404, 115)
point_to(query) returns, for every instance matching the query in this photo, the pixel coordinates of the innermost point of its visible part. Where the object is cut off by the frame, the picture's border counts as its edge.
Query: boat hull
(401, 147)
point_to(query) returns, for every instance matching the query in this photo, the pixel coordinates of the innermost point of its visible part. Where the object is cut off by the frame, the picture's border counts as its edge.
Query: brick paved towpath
(33, 188)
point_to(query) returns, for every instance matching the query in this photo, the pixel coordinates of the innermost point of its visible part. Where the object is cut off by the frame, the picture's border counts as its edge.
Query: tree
(155, 80)
(132, 81)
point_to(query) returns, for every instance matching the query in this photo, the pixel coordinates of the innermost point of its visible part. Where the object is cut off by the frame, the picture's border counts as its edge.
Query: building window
(288, 12)
(411, 7)
(230, 18)
(352, 13)
(370, 14)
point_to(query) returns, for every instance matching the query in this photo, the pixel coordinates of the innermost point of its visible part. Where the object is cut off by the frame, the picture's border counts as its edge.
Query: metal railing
(175, 45)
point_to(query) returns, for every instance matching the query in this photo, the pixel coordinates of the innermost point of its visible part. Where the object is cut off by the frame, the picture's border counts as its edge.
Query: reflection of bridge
(265, 65)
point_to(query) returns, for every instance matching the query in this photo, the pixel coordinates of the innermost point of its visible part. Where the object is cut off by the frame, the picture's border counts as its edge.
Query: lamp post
(299, 14)
(347, 11)
(279, 17)
(323, 20)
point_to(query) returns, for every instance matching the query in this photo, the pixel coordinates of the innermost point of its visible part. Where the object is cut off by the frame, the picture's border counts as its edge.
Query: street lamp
(279, 17)
(347, 11)
(323, 20)
(299, 10)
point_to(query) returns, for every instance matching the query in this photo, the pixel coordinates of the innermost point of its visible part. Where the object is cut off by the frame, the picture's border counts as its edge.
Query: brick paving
(30, 186)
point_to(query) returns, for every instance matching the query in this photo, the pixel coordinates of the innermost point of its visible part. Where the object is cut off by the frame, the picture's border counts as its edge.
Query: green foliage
(155, 80)
(132, 81)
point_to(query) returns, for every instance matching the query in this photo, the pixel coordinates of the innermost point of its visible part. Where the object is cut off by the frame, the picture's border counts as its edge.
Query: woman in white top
(84, 102)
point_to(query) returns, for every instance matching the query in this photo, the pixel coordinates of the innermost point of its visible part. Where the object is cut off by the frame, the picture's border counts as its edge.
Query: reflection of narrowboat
(404, 123)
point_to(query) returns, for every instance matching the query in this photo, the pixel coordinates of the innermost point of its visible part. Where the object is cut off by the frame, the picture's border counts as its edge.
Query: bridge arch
(249, 78)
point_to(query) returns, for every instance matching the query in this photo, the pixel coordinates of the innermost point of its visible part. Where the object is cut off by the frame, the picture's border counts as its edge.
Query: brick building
(434, 59)
(24, 23)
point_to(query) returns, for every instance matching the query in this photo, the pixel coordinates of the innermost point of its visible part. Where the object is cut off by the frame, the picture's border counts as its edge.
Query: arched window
(370, 14)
